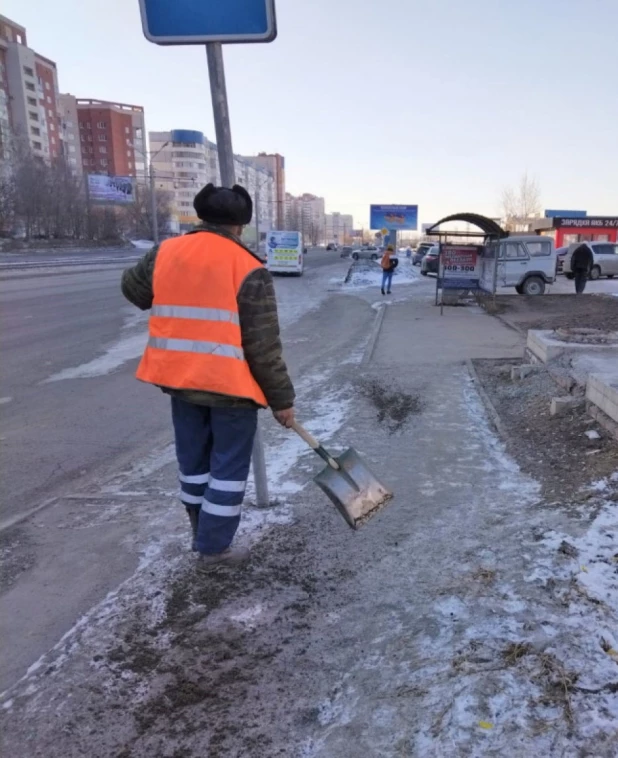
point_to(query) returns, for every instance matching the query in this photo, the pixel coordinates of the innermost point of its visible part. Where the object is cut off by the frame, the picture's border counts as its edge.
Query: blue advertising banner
(393, 217)
(196, 22)
(565, 214)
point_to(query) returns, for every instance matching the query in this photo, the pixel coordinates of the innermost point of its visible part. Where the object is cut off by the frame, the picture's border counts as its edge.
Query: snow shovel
(356, 493)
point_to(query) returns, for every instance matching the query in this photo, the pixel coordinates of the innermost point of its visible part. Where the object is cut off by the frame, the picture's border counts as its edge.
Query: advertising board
(460, 266)
(393, 217)
(110, 189)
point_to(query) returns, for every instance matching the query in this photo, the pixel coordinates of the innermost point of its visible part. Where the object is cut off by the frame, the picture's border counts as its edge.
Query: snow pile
(143, 244)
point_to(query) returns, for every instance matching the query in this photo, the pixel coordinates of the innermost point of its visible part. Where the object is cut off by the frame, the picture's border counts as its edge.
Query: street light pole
(223, 132)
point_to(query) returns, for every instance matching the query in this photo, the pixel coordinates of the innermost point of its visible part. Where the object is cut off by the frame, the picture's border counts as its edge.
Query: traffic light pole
(216, 71)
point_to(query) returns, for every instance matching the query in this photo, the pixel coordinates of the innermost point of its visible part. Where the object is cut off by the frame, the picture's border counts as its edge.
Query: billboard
(399, 217)
(110, 189)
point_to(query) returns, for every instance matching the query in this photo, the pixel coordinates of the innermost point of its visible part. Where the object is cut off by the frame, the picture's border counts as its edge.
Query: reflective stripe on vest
(198, 314)
(196, 346)
(195, 340)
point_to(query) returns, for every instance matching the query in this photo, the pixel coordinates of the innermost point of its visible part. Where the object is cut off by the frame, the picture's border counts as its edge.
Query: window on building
(36, 131)
(101, 124)
(71, 137)
(81, 125)
(37, 146)
(102, 137)
(52, 140)
(128, 153)
(127, 130)
(72, 161)
(71, 148)
(138, 133)
(89, 137)
(30, 87)
(28, 71)
(49, 99)
(52, 126)
(47, 86)
(103, 161)
(102, 149)
(33, 116)
(130, 164)
(31, 100)
(88, 125)
(91, 149)
(50, 113)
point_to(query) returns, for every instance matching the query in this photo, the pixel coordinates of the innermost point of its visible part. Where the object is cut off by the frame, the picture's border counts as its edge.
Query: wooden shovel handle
(315, 445)
(305, 435)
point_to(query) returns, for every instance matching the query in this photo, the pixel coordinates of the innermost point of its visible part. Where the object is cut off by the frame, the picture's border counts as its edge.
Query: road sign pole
(216, 71)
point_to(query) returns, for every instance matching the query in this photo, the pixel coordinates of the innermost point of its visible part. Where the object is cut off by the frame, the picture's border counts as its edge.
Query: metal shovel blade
(355, 491)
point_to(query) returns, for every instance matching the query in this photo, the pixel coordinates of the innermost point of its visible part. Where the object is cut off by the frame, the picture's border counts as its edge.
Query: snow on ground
(143, 244)
(369, 274)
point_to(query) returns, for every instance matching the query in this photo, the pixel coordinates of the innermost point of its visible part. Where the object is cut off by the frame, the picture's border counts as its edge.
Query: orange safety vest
(194, 338)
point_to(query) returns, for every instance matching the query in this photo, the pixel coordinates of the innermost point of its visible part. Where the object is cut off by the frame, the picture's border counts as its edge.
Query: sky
(440, 103)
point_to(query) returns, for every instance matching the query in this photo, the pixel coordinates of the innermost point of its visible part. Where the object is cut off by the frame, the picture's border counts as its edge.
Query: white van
(526, 262)
(284, 253)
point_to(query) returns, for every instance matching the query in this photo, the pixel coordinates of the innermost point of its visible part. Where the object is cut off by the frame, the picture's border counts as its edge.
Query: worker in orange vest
(214, 347)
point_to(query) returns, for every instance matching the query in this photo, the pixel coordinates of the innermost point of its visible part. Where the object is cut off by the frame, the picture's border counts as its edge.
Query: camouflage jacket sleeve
(259, 324)
(136, 284)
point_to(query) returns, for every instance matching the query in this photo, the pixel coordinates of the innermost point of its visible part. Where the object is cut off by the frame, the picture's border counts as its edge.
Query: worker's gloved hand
(285, 418)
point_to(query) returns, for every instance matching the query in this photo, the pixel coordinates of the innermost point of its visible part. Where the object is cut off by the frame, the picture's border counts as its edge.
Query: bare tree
(521, 203)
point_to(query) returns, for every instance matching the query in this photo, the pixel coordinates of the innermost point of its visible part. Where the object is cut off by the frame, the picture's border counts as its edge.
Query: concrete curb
(373, 337)
(489, 406)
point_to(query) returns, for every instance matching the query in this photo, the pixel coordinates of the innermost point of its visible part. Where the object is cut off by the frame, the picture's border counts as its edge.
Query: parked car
(420, 252)
(526, 262)
(370, 253)
(331, 246)
(346, 251)
(560, 253)
(430, 262)
(605, 260)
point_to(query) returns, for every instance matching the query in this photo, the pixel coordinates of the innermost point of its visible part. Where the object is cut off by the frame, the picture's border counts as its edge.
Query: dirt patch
(17, 553)
(553, 449)
(554, 311)
(393, 406)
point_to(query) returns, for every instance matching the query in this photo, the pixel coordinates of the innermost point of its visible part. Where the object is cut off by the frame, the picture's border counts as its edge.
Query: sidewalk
(439, 629)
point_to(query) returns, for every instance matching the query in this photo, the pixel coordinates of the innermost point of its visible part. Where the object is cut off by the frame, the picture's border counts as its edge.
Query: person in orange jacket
(389, 263)
(214, 347)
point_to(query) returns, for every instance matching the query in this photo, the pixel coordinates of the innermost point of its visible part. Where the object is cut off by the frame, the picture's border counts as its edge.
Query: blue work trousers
(213, 447)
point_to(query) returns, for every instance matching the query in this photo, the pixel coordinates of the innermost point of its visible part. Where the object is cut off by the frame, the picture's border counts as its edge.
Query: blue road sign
(196, 22)
(565, 214)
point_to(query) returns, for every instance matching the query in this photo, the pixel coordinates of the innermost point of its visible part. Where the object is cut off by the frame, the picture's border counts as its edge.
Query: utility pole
(153, 206)
(223, 131)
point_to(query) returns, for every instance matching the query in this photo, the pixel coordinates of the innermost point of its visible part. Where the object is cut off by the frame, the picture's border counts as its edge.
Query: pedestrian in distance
(389, 263)
(214, 347)
(581, 265)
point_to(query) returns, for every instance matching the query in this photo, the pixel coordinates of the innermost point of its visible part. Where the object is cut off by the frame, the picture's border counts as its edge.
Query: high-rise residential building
(305, 213)
(274, 164)
(339, 227)
(112, 138)
(28, 94)
(184, 160)
(68, 130)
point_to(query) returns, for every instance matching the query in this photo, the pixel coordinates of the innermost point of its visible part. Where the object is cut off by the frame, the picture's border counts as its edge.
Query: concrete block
(561, 405)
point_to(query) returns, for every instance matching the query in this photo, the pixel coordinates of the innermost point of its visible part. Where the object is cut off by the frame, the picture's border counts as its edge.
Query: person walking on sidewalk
(581, 265)
(389, 263)
(214, 347)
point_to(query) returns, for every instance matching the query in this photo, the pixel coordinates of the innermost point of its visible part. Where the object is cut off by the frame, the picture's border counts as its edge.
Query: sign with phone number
(459, 266)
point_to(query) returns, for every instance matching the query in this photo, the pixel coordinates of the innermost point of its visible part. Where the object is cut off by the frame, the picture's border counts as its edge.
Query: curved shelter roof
(487, 225)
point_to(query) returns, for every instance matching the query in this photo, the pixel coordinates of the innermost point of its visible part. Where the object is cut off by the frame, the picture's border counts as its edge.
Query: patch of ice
(126, 348)
(248, 616)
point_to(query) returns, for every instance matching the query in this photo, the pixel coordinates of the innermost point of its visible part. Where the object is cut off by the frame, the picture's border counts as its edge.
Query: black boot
(383, 291)
(194, 518)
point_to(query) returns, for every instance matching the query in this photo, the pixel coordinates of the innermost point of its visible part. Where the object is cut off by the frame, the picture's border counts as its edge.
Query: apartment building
(111, 138)
(339, 227)
(28, 94)
(68, 129)
(306, 213)
(184, 160)
(275, 165)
